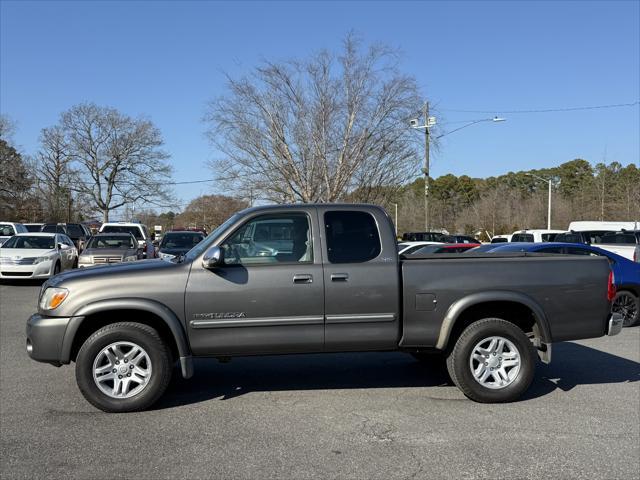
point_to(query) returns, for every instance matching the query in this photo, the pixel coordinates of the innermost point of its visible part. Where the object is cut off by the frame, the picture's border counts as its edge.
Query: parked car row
(41, 250)
(622, 238)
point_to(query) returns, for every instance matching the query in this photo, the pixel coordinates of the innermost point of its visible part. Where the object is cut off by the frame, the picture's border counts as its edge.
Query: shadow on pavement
(572, 365)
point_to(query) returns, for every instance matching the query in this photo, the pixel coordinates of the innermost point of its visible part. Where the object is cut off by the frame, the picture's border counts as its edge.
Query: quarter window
(352, 237)
(270, 239)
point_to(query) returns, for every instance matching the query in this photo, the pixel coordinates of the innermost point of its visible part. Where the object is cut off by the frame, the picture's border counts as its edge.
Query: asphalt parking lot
(377, 415)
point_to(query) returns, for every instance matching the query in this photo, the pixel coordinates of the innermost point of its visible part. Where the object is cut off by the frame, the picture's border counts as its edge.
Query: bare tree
(54, 175)
(209, 211)
(119, 158)
(316, 130)
(7, 128)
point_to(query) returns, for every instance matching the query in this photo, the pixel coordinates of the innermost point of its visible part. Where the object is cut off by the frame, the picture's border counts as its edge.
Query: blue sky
(165, 59)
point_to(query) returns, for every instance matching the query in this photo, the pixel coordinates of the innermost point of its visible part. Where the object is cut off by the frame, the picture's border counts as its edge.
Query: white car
(536, 236)
(9, 229)
(36, 255)
(406, 248)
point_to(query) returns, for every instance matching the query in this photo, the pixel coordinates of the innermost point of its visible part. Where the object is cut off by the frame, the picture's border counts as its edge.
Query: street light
(428, 123)
(549, 181)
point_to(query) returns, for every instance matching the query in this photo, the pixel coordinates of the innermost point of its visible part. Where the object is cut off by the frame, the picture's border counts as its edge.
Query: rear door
(361, 279)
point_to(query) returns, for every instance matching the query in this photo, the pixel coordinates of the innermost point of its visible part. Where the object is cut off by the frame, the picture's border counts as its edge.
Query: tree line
(518, 200)
(94, 160)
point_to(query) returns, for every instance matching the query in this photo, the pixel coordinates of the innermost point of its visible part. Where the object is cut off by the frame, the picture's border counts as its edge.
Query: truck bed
(569, 292)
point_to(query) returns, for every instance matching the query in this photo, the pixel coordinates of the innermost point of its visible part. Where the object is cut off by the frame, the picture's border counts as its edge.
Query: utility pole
(396, 224)
(68, 205)
(425, 170)
(549, 208)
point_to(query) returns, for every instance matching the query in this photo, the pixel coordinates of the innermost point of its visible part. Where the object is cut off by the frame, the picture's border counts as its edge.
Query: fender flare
(458, 307)
(151, 306)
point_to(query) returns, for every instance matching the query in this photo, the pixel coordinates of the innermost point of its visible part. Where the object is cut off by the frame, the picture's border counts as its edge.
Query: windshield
(211, 238)
(112, 241)
(181, 240)
(39, 242)
(135, 231)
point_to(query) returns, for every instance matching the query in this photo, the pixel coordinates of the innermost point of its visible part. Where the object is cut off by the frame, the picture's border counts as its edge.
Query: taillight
(611, 288)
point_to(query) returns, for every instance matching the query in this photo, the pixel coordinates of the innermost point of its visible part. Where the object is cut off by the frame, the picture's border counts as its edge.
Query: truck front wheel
(492, 361)
(123, 367)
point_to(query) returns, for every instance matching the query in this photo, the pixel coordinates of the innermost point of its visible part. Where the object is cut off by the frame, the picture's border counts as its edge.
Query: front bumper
(26, 272)
(615, 324)
(45, 336)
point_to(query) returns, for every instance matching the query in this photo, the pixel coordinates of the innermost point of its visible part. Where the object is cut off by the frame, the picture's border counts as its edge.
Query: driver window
(270, 239)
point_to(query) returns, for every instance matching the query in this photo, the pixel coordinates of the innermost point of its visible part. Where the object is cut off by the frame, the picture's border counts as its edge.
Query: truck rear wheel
(492, 361)
(123, 367)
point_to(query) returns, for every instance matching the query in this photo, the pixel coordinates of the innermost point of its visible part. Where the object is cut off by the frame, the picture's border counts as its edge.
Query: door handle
(302, 278)
(339, 277)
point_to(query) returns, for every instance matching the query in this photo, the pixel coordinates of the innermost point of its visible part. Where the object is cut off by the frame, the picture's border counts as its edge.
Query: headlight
(84, 259)
(53, 298)
(41, 259)
(131, 258)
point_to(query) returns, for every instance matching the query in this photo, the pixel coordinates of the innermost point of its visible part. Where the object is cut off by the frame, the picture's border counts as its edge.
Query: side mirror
(214, 257)
(63, 246)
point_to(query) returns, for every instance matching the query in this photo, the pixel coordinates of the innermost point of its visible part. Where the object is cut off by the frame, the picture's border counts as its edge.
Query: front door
(268, 297)
(361, 279)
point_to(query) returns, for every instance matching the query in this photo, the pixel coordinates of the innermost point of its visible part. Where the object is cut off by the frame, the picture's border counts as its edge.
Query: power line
(548, 110)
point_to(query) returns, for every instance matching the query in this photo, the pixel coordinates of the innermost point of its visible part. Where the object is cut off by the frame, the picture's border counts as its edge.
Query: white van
(583, 226)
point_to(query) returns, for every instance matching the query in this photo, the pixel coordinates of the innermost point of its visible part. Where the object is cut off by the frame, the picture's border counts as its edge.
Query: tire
(627, 304)
(75, 263)
(477, 338)
(150, 370)
(56, 269)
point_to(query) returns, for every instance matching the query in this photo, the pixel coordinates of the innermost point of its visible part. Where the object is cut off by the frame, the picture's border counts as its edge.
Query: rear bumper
(45, 336)
(615, 324)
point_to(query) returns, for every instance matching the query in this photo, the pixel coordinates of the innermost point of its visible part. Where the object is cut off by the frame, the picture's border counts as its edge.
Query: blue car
(626, 273)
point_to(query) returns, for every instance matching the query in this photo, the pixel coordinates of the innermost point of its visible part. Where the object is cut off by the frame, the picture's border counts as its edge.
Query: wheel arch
(515, 307)
(94, 316)
(629, 287)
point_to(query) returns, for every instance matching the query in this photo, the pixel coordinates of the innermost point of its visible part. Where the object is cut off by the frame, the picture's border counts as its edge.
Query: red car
(446, 248)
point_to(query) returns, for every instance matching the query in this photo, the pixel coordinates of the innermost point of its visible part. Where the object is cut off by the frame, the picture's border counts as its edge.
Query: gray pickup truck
(316, 278)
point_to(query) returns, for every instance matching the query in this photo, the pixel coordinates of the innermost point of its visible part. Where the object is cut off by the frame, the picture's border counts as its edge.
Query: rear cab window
(352, 236)
(522, 237)
(133, 230)
(75, 231)
(53, 229)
